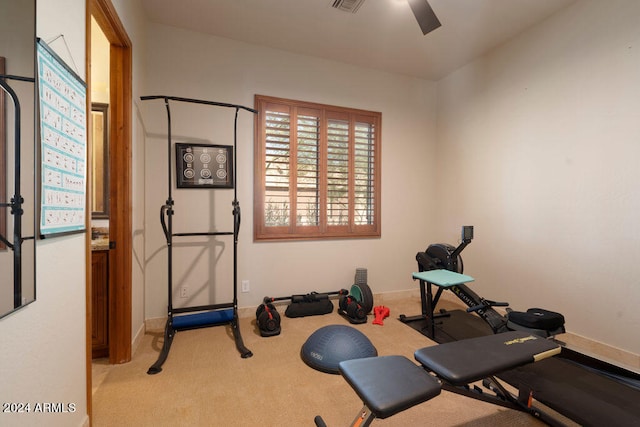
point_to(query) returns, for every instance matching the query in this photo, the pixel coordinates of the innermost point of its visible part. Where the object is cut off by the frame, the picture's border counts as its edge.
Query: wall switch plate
(245, 286)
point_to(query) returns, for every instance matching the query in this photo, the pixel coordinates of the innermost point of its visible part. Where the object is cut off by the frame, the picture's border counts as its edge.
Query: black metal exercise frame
(167, 226)
(17, 200)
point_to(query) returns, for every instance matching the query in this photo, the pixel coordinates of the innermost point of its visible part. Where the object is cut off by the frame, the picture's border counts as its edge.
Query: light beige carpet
(205, 382)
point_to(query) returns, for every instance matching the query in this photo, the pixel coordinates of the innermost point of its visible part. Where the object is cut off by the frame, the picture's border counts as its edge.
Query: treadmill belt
(575, 391)
(584, 396)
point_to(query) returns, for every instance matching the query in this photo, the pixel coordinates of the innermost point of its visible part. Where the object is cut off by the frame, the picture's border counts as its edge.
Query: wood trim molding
(120, 221)
(88, 277)
(107, 17)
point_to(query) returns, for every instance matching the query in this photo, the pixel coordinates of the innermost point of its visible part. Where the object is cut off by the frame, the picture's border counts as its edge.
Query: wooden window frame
(371, 227)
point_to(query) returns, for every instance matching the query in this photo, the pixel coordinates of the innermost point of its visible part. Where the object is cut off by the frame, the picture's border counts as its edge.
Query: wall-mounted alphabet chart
(63, 145)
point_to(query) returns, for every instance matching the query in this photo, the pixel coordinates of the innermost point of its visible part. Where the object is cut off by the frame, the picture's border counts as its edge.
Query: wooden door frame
(120, 184)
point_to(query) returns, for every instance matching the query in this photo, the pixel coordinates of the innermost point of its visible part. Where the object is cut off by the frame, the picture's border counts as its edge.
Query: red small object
(380, 313)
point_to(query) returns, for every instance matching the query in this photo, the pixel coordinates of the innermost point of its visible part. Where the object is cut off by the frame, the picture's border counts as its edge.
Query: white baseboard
(602, 351)
(155, 324)
(137, 339)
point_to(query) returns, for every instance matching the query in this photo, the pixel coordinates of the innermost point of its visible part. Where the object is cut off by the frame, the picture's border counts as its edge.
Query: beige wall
(541, 137)
(193, 65)
(43, 355)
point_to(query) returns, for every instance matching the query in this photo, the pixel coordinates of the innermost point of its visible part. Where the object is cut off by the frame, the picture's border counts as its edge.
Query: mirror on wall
(100, 159)
(17, 154)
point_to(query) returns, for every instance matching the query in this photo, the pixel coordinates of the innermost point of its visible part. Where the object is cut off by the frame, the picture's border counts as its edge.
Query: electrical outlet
(245, 286)
(184, 292)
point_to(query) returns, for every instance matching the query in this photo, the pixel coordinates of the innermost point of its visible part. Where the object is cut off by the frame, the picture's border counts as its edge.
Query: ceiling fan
(422, 10)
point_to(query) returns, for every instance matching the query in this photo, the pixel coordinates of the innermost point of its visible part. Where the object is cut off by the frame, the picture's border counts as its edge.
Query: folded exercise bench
(388, 385)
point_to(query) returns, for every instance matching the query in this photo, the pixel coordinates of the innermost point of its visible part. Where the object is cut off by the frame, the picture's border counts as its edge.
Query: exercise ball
(330, 345)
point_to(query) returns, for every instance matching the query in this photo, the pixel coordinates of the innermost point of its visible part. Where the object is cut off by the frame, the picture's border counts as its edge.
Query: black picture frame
(204, 166)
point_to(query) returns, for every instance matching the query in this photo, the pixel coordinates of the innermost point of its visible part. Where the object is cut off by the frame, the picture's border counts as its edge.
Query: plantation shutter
(308, 168)
(364, 173)
(317, 171)
(277, 167)
(338, 171)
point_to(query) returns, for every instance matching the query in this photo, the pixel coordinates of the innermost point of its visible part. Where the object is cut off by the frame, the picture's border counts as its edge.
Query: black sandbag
(306, 307)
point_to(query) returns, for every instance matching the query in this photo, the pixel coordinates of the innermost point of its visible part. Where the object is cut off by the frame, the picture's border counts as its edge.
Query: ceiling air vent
(347, 5)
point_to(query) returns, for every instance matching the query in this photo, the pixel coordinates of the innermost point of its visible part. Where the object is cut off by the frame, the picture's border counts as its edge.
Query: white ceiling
(383, 34)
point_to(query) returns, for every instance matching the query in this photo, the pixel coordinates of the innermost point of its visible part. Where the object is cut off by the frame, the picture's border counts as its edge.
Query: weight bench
(388, 385)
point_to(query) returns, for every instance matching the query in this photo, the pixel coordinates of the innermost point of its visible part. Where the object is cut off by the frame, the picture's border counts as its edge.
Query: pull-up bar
(197, 101)
(209, 315)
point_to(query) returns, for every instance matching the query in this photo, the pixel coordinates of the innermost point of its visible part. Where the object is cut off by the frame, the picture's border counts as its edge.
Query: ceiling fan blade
(427, 19)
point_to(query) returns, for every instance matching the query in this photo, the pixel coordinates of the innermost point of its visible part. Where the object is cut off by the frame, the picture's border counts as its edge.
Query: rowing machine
(442, 256)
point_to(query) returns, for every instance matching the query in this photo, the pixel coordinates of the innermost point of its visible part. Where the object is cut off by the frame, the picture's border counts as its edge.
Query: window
(317, 171)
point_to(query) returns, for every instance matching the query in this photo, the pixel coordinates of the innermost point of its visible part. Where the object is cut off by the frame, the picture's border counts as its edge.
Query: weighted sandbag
(312, 304)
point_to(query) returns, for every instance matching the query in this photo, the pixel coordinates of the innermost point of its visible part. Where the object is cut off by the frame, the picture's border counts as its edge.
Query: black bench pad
(466, 361)
(389, 384)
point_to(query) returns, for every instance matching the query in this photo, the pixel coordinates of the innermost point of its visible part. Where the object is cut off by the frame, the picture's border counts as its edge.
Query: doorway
(119, 246)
